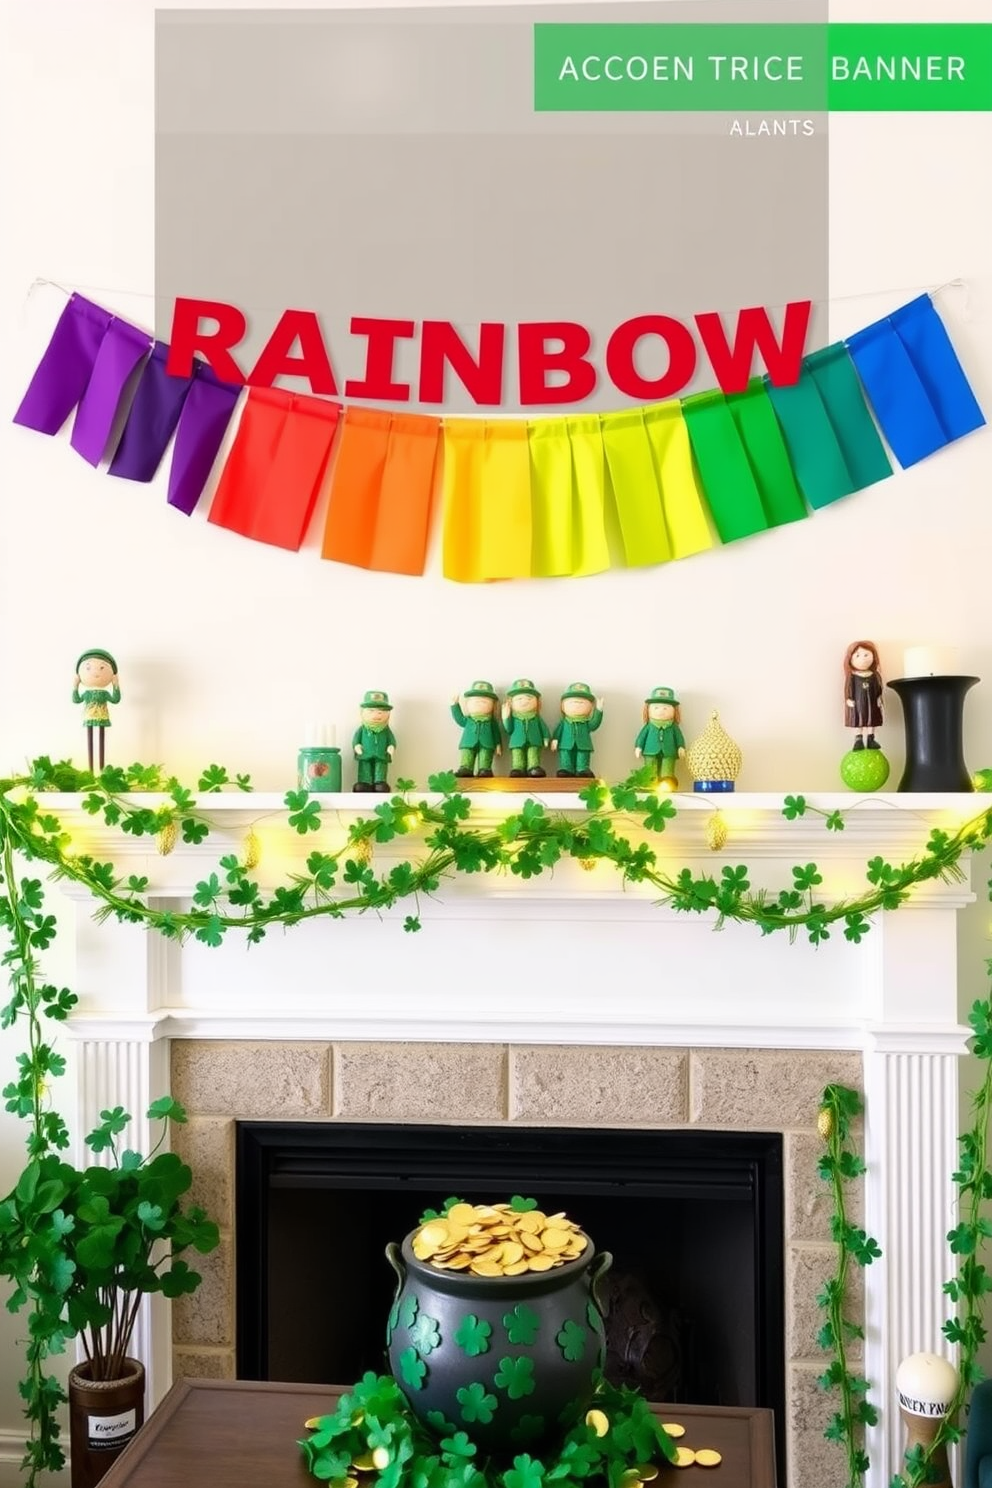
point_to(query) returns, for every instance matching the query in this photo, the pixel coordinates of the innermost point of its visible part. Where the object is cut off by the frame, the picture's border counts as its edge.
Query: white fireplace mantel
(575, 958)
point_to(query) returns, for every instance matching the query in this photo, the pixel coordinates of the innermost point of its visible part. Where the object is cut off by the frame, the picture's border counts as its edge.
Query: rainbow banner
(549, 497)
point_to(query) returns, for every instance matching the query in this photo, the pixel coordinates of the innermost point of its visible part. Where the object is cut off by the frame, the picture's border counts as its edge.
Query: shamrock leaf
(521, 1324)
(525, 1473)
(522, 1206)
(408, 1311)
(571, 1339)
(794, 806)
(412, 1368)
(516, 1377)
(473, 1336)
(458, 1445)
(476, 1403)
(425, 1334)
(436, 1419)
(593, 1317)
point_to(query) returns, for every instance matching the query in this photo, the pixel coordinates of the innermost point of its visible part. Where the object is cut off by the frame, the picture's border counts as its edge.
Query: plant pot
(523, 1350)
(103, 1417)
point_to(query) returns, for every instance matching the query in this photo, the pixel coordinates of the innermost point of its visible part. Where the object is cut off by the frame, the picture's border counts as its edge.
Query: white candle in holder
(929, 661)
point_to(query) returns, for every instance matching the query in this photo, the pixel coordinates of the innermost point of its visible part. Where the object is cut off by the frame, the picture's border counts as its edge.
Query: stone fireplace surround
(571, 1003)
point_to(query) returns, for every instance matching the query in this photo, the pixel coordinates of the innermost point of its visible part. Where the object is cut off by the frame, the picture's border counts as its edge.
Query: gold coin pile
(497, 1240)
(685, 1456)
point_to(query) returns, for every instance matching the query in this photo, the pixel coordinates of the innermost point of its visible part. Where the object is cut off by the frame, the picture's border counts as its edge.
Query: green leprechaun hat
(482, 689)
(663, 695)
(580, 690)
(522, 684)
(376, 700)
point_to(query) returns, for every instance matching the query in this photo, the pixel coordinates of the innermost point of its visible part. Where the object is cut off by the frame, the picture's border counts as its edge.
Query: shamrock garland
(527, 843)
(373, 1424)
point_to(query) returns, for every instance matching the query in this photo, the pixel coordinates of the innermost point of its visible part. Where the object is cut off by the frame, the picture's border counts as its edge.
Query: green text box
(637, 67)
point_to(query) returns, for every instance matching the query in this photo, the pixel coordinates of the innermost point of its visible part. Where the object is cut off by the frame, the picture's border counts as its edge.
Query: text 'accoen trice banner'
(633, 67)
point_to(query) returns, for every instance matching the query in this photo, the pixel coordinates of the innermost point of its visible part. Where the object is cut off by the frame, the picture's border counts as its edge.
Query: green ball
(864, 769)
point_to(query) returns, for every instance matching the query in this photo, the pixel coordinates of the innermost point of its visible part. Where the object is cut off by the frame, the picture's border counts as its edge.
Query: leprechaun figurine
(660, 741)
(96, 686)
(581, 715)
(373, 743)
(482, 737)
(527, 733)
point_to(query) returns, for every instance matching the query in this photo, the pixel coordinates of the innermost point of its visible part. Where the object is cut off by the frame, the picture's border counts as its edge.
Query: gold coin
(673, 1429)
(708, 1457)
(380, 1458)
(517, 1268)
(684, 1456)
(358, 1418)
(434, 1234)
(312, 1424)
(646, 1471)
(459, 1262)
(461, 1214)
(485, 1268)
(599, 1422)
(531, 1223)
(554, 1239)
(630, 1478)
(512, 1252)
(541, 1263)
(365, 1463)
(348, 1482)
(532, 1242)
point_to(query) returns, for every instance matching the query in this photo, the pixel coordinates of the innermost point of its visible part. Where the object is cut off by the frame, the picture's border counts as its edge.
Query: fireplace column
(912, 1056)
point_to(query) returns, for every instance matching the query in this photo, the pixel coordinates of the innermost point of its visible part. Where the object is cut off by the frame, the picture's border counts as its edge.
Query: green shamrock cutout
(521, 1324)
(522, 1206)
(579, 1459)
(525, 1473)
(392, 1320)
(425, 1334)
(527, 1428)
(592, 1317)
(408, 1311)
(332, 1465)
(473, 1335)
(440, 1423)
(571, 1339)
(412, 1368)
(476, 1403)
(516, 1377)
(458, 1445)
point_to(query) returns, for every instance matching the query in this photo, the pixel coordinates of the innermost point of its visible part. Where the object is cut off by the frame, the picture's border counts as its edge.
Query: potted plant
(83, 1246)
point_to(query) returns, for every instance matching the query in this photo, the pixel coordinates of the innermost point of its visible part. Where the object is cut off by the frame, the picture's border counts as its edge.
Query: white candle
(929, 661)
(330, 736)
(315, 736)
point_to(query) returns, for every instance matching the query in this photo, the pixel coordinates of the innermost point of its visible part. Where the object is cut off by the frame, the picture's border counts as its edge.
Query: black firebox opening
(694, 1221)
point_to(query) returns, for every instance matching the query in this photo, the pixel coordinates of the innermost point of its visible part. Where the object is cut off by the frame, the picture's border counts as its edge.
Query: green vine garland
(527, 843)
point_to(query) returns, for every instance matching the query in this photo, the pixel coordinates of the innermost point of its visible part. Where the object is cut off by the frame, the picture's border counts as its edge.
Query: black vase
(933, 712)
(511, 1360)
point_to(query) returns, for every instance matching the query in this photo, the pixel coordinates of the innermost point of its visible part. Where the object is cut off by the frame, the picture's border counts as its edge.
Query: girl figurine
(96, 686)
(661, 741)
(527, 733)
(863, 693)
(581, 715)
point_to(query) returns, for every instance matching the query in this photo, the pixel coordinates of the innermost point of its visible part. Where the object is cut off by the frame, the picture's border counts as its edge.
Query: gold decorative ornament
(587, 864)
(714, 755)
(252, 855)
(167, 838)
(825, 1123)
(361, 851)
(716, 832)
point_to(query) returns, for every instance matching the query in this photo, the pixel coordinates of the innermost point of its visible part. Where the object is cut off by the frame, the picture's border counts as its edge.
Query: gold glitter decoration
(825, 1123)
(361, 851)
(587, 864)
(167, 838)
(252, 855)
(716, 831)
(497, 1240)
(714, 755)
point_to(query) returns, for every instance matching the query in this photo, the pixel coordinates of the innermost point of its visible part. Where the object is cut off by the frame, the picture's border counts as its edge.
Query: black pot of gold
(496, 1329)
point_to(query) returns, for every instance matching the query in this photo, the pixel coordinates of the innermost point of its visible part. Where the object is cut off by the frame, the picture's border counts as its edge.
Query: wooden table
(243, 1434)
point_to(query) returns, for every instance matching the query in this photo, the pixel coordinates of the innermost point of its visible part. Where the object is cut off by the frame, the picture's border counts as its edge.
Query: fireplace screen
(693, 1220)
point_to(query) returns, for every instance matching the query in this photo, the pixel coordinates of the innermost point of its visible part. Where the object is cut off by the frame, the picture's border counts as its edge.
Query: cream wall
(227, 647)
